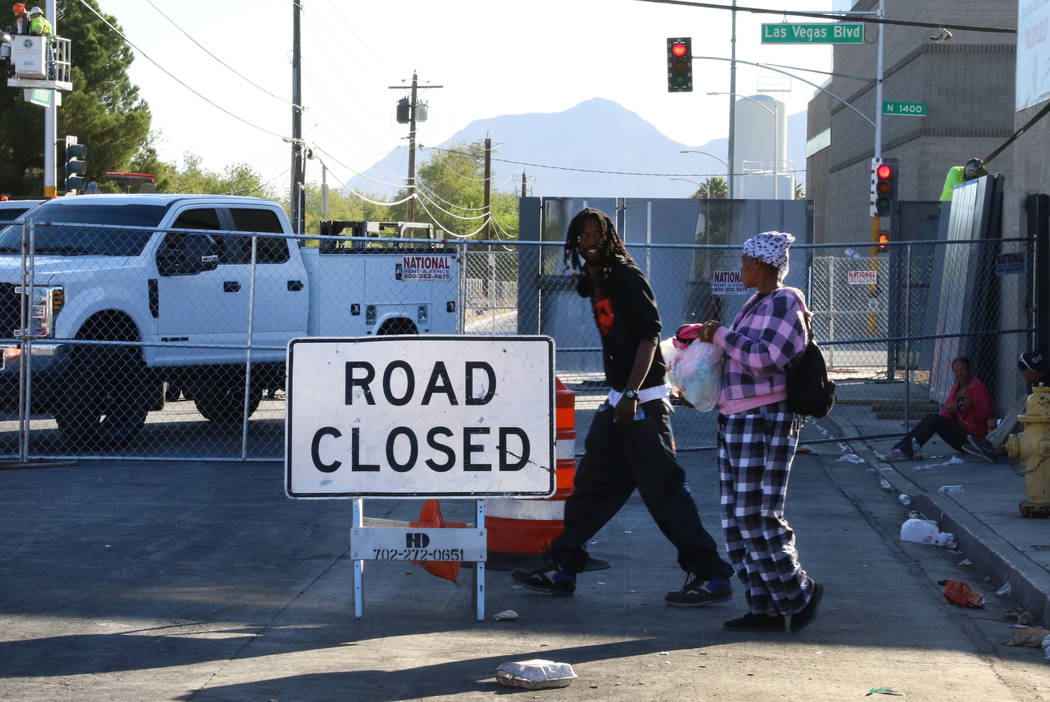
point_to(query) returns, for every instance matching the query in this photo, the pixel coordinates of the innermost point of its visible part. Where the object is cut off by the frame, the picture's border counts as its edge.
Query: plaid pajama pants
(755, 450)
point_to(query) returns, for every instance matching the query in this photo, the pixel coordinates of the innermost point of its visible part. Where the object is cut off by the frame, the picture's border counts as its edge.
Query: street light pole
(732, 105)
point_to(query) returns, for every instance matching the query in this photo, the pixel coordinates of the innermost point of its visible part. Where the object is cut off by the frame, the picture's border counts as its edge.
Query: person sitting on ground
(1035, 367)
(965, 413)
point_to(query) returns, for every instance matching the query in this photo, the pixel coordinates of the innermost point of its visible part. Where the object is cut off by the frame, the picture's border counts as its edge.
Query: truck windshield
(70, 240)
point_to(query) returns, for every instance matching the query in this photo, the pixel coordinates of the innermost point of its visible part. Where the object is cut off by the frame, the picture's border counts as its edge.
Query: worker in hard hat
(38, 24)
(21, 18)
(957, 175)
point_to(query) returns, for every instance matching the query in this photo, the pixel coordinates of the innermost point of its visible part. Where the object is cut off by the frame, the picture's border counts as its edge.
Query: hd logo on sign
(422, 416)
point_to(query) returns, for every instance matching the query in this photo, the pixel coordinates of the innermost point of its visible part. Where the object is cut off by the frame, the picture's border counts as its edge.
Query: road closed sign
(420, 416)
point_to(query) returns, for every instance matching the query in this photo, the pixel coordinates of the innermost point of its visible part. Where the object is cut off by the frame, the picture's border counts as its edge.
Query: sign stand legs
(479, 566)
(359, 565)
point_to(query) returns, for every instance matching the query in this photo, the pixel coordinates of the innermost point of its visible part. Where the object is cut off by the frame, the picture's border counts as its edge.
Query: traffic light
(75, 164)
(680, 65)
(884, 239)
(883, 186)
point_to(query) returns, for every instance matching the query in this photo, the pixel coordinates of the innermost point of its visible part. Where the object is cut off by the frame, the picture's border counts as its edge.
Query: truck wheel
(397, 326)
(107, 402)
(224, 403)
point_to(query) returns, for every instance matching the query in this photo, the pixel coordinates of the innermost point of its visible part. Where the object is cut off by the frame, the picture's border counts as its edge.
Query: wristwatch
(630, 394)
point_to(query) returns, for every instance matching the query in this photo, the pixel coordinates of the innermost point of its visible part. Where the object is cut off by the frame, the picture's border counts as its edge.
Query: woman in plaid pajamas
(757, 435)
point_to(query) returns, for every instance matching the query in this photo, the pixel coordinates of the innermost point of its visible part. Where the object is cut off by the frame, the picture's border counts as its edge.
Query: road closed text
(439, 448)
(448, 416)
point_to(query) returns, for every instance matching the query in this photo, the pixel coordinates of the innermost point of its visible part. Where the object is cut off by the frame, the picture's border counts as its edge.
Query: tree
(800, 192)
(714, 188)
(451, 188)
(103, 110)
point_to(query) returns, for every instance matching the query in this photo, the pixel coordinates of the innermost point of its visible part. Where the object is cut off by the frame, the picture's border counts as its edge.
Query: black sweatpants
(619, 459)
(953, 433)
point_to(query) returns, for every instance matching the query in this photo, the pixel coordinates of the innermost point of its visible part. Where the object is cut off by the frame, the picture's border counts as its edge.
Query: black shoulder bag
(809, 391)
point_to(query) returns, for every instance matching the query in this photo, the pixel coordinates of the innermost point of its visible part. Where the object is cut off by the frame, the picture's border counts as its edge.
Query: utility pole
(732, 100)
(412, 153)
(296, 194)
(413, 108)
(488, 187)
(51, 122)
(523, 193)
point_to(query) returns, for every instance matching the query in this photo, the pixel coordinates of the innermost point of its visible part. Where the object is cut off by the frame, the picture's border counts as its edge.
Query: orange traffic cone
(430, 516)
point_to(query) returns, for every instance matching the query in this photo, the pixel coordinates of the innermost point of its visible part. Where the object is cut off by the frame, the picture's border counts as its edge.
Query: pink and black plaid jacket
(764, 337)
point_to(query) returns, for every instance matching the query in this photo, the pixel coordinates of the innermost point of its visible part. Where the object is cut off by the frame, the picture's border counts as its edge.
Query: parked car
(11, 210)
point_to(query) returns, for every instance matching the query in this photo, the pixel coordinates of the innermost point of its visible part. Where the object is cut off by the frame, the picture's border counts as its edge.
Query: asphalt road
(187, 580)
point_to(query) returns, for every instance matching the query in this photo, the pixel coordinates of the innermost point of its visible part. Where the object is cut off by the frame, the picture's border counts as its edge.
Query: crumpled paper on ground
(535, 674)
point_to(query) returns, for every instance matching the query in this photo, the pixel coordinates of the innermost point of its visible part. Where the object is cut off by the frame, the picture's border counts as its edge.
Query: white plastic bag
(695, 373)
(925, 531)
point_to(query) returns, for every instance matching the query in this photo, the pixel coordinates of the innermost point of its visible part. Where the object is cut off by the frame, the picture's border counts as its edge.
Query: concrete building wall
(967, 83)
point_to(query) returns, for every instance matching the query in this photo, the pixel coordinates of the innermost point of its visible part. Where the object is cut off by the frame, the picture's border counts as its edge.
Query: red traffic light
(679, 49)
(883, 172)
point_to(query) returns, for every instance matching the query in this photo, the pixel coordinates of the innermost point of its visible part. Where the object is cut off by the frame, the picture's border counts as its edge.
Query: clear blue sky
(493, 57)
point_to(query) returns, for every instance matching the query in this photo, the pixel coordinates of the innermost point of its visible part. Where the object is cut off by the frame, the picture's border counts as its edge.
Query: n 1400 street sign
(812, 33)
(911, 109)
(420, 416)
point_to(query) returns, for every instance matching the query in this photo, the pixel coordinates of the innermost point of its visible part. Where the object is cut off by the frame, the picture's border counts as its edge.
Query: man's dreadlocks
(611, 249)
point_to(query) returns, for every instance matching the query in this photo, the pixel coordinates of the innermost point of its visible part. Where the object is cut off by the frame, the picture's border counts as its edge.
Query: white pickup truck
(117, 268)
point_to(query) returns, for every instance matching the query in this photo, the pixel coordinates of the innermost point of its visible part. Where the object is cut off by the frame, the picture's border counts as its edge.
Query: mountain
(590, 146)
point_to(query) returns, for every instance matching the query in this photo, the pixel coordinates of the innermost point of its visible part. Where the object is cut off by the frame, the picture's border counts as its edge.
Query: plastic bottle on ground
(915, 454)
(951, 490)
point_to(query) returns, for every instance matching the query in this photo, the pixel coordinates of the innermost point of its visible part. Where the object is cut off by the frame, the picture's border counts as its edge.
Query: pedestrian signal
(679, 65)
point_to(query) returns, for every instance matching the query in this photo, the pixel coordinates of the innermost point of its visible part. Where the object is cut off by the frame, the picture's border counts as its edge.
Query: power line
(219, 60)
(825, 15)
(602, 172)
(176, 79)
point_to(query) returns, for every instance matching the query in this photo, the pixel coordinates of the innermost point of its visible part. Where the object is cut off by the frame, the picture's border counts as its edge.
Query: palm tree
(714, 188)
(800, 194)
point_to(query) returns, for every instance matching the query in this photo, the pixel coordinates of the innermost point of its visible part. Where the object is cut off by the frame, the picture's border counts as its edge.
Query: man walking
(630, 444)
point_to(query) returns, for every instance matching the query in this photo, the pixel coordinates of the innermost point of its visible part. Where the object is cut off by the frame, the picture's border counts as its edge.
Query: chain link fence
(134, 342)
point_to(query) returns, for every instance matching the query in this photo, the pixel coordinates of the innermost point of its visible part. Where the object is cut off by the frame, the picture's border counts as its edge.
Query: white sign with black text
(420, 416)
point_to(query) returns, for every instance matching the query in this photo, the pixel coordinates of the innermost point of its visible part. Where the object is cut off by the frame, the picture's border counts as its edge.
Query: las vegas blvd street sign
(420, 416)
(785, 33)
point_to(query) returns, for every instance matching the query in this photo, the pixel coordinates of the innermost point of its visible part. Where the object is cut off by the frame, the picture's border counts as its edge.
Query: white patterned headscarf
(771, 248)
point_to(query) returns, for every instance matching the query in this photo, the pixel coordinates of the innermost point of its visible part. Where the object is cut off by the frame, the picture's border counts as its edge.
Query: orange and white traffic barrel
(525, 527)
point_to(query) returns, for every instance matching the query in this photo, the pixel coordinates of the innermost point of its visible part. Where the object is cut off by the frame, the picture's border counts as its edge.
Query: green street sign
(910, 109)
(826, 33)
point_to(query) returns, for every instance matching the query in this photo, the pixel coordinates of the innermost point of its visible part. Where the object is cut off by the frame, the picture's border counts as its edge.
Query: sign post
(456, 417)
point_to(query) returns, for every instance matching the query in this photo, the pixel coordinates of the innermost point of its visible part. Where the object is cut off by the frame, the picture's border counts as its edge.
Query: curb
(989, 551)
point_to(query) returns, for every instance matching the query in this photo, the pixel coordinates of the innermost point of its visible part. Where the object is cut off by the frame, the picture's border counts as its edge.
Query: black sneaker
(756, 622)
(976, 446)
(804, 618)
(698, 593)
(549, 579)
